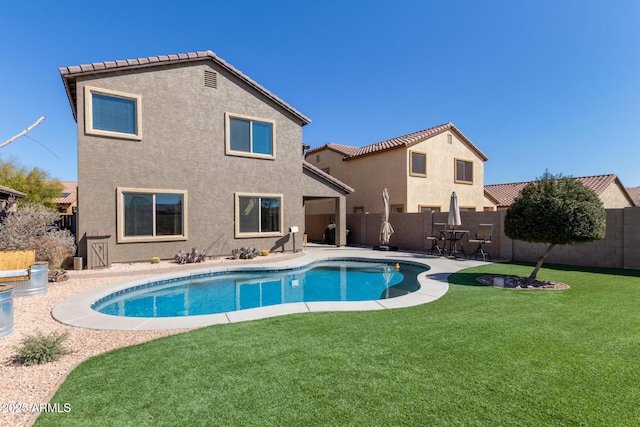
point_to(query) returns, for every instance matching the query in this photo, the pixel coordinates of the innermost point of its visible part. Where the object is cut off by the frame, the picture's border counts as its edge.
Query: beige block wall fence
(620, 247)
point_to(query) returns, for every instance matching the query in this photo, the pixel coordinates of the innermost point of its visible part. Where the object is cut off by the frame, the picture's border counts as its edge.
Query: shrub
(38, 349)
(555, 210)
(33, 227)
(155, 260)
(245, 253)
(264, 252)
(56, 247)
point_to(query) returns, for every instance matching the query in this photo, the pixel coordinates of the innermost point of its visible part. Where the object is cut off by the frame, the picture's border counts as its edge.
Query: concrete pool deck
(76, 310)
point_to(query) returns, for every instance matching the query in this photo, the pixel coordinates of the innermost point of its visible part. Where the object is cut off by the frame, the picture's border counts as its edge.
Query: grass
(479, 356)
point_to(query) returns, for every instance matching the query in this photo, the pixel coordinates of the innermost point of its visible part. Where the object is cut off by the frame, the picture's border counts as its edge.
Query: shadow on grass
(468, 277)
(465, 279)
(579, 268)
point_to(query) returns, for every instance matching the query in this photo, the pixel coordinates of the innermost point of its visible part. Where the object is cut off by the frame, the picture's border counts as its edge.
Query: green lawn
(479, 356)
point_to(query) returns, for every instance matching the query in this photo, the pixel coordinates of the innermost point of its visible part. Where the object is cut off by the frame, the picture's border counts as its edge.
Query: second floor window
(115, 114)
(418, 164)
(112, 113)
(250, 137)
(464, 171)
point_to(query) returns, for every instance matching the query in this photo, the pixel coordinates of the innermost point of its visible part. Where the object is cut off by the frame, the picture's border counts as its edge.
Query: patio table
(454, 238)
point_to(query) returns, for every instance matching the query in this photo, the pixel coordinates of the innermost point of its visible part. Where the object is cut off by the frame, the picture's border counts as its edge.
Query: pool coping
(76, 310)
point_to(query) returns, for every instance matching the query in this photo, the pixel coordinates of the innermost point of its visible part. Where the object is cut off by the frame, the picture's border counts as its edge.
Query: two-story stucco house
(420, 169)
(176, 152)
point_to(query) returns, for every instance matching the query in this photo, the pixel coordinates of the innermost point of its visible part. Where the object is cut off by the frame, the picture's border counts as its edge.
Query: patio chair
(483, 237)
(436, 237)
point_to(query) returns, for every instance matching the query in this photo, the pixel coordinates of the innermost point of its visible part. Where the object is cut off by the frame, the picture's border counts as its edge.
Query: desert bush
(245, 253)
(38, 349)
(183, 257)
(34, 227)
(56, 247)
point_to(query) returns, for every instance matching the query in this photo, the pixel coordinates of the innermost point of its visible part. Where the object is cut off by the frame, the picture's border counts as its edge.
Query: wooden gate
(98, 250)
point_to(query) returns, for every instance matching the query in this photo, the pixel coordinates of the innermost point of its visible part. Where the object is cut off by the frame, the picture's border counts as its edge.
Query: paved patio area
(76, 310)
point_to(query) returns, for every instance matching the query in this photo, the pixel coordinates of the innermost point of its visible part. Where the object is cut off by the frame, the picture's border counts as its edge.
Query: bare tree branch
(23, 133)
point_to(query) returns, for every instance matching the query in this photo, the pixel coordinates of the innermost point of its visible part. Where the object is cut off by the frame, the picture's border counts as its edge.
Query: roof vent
(210, 79)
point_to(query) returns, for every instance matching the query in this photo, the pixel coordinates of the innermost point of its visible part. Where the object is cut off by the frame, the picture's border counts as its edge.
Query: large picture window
(148, 215)
(248, 136)
(112, 113)
(258, 215)
(464, 171)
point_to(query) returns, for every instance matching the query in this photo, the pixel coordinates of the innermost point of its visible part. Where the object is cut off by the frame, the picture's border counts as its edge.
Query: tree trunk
(541, 260)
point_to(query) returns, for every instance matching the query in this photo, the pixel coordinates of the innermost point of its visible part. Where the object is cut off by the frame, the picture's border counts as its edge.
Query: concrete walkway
(77, 311)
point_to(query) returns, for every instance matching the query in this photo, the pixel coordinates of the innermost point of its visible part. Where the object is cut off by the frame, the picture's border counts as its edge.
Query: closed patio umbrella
(454, 212)
(385, 228)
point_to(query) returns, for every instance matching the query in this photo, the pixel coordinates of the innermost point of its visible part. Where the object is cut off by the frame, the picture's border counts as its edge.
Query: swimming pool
(222, 292)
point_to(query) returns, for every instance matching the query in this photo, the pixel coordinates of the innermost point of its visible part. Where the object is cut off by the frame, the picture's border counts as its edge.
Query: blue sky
(535, 85)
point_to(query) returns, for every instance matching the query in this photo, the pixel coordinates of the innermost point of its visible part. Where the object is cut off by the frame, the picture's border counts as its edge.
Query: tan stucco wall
(370, 174)
(183, 148)
(613, 197)
(436, 188)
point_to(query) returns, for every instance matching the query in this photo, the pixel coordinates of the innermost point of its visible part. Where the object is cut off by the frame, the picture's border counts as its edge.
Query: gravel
(24, 388)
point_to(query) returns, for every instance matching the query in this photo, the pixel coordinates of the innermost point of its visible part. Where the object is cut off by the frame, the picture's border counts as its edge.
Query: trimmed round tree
(555, 210)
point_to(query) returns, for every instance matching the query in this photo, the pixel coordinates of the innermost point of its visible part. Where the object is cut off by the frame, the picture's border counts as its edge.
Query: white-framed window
(148, 215)
(463, 171)
(417, 164)
(259, 215)
(112, 113)
(250, 136)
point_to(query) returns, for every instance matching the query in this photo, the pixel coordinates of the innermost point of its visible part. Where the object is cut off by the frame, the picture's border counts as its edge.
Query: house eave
(70, 74)
(327, 178)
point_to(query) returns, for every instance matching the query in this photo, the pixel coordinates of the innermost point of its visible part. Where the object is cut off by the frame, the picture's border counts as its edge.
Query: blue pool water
(228, 291)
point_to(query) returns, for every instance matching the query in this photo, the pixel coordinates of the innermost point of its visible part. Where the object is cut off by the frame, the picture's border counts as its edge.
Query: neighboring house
(634, 192)
(608, 187)
(420, 169)
(67, 205)
(68, 202)
(185, 151)
(7, 196)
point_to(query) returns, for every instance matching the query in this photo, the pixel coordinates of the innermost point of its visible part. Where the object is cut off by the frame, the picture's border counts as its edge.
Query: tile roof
(69, 193)
(400, 141)
(70, 73)
(634, 192)
(505, 194)
(11, 192)
(319, 172)
(345, 150)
